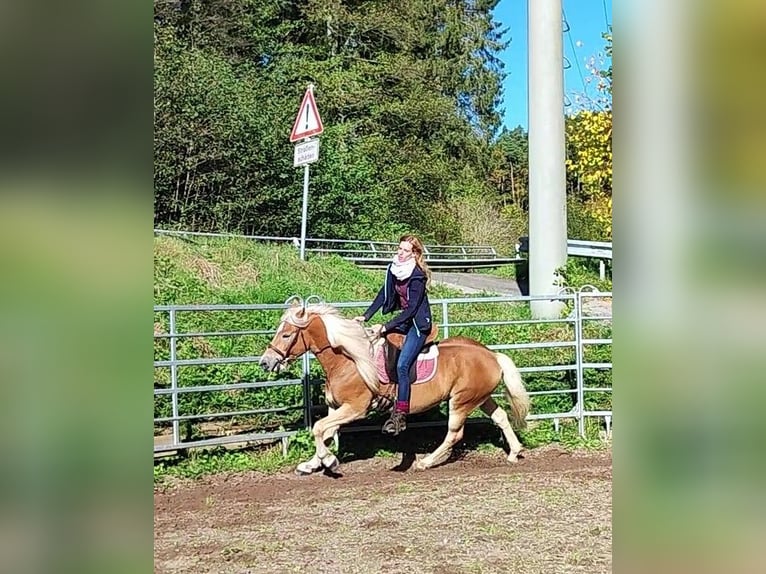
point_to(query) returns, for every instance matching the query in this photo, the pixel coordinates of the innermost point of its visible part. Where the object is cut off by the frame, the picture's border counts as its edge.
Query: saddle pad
(425, 365)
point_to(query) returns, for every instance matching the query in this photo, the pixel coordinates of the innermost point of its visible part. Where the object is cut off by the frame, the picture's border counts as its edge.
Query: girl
(407, 279)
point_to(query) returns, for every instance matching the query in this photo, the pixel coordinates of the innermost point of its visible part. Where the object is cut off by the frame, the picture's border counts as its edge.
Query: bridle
(284, 356)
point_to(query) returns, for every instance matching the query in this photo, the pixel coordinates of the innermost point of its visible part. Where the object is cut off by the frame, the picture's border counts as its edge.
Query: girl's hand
(359, 319)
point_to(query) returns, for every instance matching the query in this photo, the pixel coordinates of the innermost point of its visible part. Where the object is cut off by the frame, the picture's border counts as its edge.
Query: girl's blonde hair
(417, 252)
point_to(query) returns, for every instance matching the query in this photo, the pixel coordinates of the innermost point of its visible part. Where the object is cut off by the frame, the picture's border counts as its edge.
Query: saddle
(386, 357)
(397, 339)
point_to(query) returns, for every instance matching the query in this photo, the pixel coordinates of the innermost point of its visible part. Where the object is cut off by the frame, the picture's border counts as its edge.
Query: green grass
(204, 462)
(543, 432)
(267, 459)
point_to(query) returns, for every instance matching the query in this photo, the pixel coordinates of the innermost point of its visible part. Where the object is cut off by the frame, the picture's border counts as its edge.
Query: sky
(587, 21)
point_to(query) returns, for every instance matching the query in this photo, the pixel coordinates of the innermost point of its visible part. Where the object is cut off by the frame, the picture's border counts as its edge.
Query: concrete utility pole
(547, 177)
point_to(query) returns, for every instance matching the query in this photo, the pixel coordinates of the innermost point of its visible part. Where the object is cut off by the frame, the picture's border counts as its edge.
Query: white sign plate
(306, 152)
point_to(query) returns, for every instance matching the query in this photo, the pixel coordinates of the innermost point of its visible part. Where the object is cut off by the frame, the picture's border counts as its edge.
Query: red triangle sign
(307, 123)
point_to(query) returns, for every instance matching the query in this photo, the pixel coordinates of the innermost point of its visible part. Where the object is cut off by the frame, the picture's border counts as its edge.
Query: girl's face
(404, 253)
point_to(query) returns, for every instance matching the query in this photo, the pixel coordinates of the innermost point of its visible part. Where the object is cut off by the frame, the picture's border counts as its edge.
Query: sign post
(307, 124)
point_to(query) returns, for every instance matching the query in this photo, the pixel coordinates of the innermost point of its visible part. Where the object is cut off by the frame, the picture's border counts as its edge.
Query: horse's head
(289, 342)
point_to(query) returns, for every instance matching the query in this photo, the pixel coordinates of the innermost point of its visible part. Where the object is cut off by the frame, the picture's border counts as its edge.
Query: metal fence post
(445, 319)
(579, 360)
(306, 393)
(174, 378)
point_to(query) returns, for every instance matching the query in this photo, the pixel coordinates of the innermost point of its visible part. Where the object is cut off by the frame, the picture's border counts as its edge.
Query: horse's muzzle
(271, 362)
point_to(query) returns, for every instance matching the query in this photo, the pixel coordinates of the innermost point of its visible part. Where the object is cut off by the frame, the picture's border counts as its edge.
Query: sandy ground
(548, 513)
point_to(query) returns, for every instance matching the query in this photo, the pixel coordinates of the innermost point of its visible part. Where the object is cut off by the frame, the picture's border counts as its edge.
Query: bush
(478, 221)
(583, 223)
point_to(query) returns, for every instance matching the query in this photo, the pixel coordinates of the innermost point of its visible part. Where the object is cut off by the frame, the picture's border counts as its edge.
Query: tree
(511, 173)
(407, 89)
(589, 147)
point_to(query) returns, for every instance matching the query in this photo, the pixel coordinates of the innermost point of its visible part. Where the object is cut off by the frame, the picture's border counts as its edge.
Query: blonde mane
(344, 334)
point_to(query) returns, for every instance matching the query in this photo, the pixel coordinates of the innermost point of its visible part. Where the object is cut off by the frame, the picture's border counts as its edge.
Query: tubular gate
(209, 389)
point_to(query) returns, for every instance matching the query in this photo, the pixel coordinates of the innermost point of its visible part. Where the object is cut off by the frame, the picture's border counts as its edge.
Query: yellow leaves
(589, 150)
(600, 207)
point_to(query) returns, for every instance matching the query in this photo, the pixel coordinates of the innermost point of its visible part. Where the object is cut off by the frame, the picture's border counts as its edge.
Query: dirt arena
(548, 513)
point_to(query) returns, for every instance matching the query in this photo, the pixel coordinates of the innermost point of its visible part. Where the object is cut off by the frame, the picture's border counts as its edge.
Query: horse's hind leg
(500, 418)
(455, 426)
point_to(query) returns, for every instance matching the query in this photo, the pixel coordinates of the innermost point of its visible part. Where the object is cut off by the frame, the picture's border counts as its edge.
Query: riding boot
(397, 422)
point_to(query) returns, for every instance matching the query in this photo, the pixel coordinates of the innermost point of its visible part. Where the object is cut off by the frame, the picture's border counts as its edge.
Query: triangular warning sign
(308, 123)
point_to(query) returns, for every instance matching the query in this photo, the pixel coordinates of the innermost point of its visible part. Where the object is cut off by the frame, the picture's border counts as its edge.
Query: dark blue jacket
(418, 308)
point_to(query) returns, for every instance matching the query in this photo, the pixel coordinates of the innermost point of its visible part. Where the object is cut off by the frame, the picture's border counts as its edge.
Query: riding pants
(413, 343)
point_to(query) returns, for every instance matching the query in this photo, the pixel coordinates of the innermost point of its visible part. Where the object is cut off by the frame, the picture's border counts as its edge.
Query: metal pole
(580, 359)
(174, 379)
(547, 177)
(306, 376)
(304, 215)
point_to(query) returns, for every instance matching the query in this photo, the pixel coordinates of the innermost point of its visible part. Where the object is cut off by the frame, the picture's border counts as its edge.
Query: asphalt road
(477, 282)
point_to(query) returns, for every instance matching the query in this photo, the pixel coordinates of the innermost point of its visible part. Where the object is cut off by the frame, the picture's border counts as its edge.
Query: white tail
(514, 390)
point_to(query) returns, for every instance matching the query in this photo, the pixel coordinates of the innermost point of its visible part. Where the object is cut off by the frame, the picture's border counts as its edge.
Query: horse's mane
(344, 334)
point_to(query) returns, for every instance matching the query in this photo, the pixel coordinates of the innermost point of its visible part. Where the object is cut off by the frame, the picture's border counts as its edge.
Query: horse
(467, 374)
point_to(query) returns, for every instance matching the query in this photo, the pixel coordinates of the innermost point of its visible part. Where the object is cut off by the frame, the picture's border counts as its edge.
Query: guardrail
(375, 254)
(358, 249)
(600, 250)
(596, 249)
(187, 361)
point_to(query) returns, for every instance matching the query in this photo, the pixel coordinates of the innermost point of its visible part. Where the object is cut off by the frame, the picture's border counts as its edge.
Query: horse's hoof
(418, 465)
(513, 458)
(304, 469)
(331, 463)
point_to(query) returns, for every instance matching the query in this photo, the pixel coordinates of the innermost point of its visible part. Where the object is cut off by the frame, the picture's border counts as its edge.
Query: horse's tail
(514, 390)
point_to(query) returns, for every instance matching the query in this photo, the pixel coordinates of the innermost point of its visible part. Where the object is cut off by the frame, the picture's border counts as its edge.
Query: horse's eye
(286, 336)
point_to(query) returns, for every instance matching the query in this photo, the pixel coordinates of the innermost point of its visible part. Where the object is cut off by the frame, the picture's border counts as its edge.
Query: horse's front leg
(323, 429)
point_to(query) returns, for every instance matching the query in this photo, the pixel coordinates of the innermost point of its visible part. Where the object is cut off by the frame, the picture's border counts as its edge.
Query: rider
(407, 280)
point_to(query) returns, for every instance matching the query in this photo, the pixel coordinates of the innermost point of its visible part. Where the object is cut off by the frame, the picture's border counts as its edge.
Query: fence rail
(358, 248)
(179, 378)
(373, 254)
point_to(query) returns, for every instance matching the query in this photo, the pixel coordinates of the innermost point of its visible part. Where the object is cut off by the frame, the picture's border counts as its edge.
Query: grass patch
(543, 432)
(206, 462)
(267, 459)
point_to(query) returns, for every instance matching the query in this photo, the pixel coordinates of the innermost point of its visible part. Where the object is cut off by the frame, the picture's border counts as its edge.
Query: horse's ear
(299, 314)
(294, 301)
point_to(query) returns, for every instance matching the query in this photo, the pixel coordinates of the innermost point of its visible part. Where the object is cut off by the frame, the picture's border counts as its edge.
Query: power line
(606, 16)
(574, 52)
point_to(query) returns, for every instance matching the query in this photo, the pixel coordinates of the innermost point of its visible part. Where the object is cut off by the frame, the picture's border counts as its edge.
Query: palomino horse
(467, 374)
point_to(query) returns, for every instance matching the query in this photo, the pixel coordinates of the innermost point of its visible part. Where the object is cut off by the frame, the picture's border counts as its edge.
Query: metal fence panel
(582, 353)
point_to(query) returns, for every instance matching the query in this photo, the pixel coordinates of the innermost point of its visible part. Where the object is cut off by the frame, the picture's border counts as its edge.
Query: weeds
(197, 463)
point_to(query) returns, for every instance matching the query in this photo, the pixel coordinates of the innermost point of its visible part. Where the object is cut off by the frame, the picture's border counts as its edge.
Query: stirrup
(395, 424)
(382, 403)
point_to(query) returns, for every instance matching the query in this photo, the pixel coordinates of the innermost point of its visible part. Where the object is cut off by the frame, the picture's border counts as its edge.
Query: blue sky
(587, 22)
